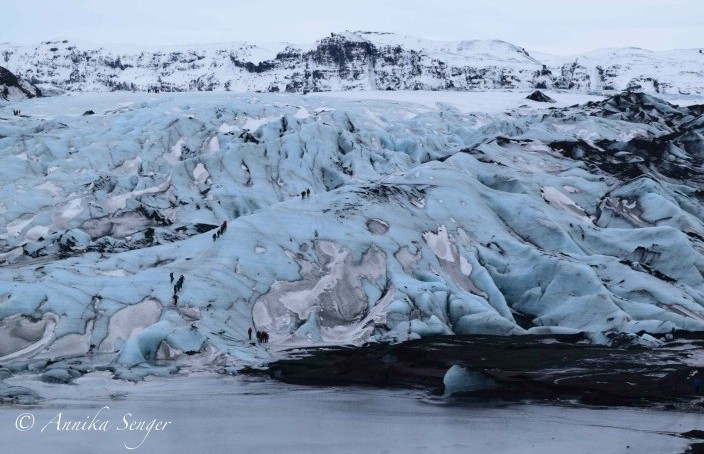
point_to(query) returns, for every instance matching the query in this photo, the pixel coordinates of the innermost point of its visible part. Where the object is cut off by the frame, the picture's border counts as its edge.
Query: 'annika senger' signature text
(96, 423)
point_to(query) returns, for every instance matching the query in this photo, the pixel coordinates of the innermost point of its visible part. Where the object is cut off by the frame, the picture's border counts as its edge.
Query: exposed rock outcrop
(539, 96)
(13, 88)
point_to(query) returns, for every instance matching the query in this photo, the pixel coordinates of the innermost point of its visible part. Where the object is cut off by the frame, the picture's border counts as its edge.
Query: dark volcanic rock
(539, 96)
(677, 152)
(536, 367)
(14, 88)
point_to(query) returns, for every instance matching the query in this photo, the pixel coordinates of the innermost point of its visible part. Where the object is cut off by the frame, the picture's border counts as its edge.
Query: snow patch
(200, 175)
(561, 201)
(440, 244)
(252, 124)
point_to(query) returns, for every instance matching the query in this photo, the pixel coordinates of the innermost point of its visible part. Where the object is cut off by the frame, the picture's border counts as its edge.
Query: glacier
(424, 218)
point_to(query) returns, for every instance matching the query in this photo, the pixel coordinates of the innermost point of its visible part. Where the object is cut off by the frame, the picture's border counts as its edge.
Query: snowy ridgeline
(422, 219)
(347, 61)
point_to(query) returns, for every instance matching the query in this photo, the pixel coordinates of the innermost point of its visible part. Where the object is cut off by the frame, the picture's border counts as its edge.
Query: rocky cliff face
(12, 88)
(349, 61)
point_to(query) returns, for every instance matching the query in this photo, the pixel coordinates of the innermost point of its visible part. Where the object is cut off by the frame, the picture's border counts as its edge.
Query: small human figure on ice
(179, 284)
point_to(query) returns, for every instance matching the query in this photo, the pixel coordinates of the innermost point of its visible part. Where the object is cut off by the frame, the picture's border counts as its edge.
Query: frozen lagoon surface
(216, 414)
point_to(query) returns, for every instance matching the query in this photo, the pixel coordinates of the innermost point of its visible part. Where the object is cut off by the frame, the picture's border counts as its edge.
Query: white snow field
(214, 414)
(424, 218)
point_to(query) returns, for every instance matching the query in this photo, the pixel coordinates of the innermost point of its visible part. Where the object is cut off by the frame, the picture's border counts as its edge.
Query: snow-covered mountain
(348, 61)
(423, 218)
